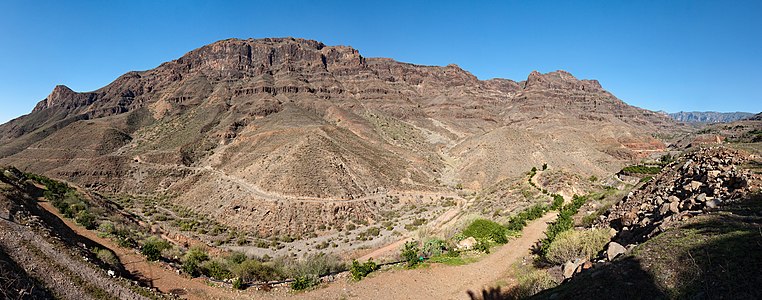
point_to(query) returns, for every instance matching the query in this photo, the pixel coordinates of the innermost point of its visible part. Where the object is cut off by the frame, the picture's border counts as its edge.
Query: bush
(558, 202)
(434, 247)
(85, 219)
(563, 223)
(153, 246)
(359, 271)
(236, 258)
(314, 264)
(544, 166)
(530, 282)
(238, 283)
(410, 254)
(482, 229)
(215, 269)
(575, 244)
(254, 270)
(517, 222)
(304, 282)
(482, 246)
(192, 261)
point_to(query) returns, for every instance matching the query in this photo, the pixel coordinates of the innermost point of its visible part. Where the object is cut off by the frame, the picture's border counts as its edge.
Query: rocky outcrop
(699, 182)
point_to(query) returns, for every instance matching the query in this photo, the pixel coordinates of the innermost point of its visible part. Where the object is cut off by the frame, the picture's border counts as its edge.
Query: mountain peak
(559, 79)
(60, 93)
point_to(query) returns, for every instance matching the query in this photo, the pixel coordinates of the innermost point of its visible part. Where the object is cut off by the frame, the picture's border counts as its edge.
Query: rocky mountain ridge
(709, 116)
(264, 124)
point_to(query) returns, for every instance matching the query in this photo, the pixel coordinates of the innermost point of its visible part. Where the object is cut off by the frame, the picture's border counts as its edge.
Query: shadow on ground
(713, 256)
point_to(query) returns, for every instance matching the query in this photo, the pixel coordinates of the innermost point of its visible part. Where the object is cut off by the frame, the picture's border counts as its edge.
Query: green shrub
(192, 261)
(482, 246)
(238, 283)
(410, 254)
(318, 264)
(304, 282)
(359, 271)
(563, 223)
(216, 269)
(482, 229)
(153, 246)
(254, 270)
(558, 202)
(577, 244)
(236, 258)
(85, 219)
(434, 247)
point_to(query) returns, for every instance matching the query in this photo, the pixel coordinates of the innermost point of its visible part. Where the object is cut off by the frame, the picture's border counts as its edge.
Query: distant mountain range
(708, 116)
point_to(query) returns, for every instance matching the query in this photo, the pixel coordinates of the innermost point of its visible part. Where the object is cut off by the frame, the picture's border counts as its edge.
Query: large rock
(570, 267)
(674, 207)
(467, 244)
(614, 249)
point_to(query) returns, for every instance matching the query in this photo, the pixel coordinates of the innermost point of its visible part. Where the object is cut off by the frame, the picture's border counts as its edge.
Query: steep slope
(263, 123)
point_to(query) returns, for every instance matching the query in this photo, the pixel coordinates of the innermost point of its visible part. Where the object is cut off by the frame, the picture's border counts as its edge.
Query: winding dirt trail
(440, 281)
(165, 280)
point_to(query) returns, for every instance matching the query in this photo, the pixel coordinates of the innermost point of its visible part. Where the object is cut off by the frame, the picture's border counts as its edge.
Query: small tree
(410, 254)
(359, 271)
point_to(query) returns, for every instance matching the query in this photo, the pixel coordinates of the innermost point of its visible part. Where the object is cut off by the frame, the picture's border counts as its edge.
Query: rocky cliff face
(296, 120)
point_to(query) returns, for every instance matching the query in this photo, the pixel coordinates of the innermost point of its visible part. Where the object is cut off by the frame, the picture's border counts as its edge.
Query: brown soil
(440, 281)
(164, 279)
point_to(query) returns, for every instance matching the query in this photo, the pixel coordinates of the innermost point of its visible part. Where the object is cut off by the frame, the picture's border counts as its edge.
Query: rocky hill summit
(264, 124)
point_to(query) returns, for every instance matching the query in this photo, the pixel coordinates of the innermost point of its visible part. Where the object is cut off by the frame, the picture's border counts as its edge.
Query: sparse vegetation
(563, 223)
(410, 254)
(486, 230)
(360, 271)
(576, 244)
(153, 246)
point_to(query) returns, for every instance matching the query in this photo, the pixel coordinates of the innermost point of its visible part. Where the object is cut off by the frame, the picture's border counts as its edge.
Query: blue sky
(660, 55)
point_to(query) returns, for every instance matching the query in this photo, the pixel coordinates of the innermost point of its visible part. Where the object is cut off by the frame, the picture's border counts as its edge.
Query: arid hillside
(285, 135)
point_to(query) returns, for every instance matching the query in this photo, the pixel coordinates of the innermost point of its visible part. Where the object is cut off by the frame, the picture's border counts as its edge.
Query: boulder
(674, 207)
(695, 185)
(673, 199)
(614, 249)
(570, 267)
(701, 197)
(664, 209)
(467, 243)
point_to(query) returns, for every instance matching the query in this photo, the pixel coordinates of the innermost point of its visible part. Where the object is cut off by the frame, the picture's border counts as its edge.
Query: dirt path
(440, 281)
(166, 280)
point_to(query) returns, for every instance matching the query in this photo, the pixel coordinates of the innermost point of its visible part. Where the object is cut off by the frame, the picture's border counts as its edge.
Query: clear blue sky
(660, 55)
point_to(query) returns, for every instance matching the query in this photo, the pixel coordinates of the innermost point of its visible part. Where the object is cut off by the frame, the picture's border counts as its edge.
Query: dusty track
(440, 281)
(165, 280)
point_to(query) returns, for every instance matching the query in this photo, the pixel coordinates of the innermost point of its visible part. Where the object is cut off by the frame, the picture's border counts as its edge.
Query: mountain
(709, 116)
(282, 135)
